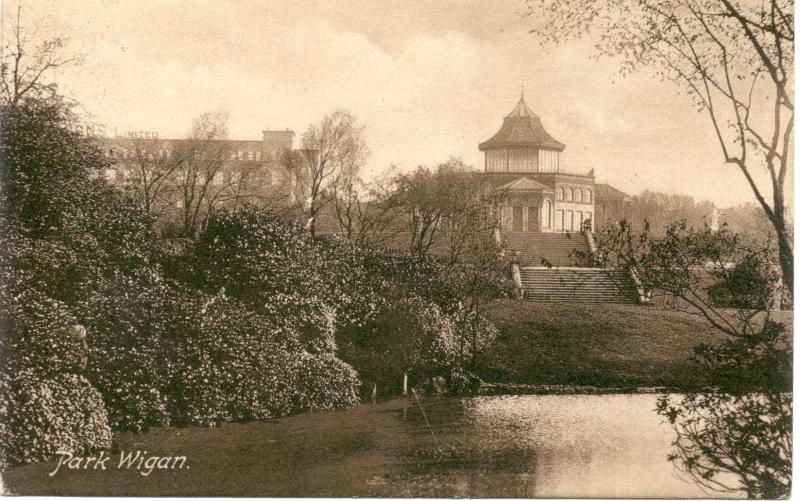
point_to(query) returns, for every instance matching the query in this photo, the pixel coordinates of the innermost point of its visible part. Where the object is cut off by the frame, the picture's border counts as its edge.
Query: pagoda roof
(522, 127)
(524, 184)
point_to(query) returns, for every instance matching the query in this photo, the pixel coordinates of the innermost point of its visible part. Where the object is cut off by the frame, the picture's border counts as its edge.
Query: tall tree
(735, 58)
(201, 179)
(333, 150)
(151, 168)
(26, 62)
(446, 208)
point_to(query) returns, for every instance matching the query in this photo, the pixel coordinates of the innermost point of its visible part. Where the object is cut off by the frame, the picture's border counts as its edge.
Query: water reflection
(537, 446)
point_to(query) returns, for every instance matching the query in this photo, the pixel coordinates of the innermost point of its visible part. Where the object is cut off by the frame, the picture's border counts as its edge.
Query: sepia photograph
(397, 249)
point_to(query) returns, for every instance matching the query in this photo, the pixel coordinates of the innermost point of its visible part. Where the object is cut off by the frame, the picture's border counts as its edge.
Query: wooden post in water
(405, 384)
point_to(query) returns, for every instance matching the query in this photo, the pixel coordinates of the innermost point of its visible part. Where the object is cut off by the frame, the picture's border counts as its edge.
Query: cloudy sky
(429, 79)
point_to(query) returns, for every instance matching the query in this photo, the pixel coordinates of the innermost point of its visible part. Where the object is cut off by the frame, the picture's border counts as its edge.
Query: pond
(538, 446)
(498, 446)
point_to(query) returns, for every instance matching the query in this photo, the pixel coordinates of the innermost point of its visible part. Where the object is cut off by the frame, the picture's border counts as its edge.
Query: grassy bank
(597, 344)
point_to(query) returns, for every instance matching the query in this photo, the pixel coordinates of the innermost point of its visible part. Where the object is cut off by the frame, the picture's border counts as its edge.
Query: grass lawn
(597, 344)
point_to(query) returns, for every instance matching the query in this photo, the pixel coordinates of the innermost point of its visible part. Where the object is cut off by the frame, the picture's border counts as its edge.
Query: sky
(428, 80)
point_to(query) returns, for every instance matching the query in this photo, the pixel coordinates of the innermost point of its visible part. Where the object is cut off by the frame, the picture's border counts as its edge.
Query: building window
(560, 220)
(258, 156)
(570, 194)
(233, 155)
(588, 196)
(548, 213)
(560, 194)
(569, 224)
(240, 155)
(579, 196)
(250, 155)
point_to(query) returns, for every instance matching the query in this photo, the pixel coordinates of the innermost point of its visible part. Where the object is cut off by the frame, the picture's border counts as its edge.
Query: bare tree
(469, 221)
(202, 182)
(417, 196)
(334, 149)
(364, 211)
(25, 63)
(735, 58)
(448, 207)
(151, 169)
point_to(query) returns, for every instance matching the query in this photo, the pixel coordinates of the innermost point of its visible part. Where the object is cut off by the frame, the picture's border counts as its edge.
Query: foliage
(661, 209)
(720, 435)
(333, 152)
(238, 366)
(474, 335)
(270, 266)
(444, 208)
(128, 319)
(751, 410)
(685, 267)
(364, 212)
(157, 352)
(43, 414)
(745, 287)
(734, 59)
(736, 436)
(243, 326)
(407, 336)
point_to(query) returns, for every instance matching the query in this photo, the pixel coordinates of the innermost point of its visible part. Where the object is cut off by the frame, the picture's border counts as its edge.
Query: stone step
(578, 285)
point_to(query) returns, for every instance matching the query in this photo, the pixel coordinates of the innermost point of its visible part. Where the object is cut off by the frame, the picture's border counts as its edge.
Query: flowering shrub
(237, 365)
(474, 334)
(248, 332)
(128, 359)
(324, 382)
(41, 415)
(270, 266)
(408, 336)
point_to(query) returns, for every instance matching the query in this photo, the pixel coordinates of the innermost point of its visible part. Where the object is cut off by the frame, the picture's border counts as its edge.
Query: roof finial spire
(522, 92)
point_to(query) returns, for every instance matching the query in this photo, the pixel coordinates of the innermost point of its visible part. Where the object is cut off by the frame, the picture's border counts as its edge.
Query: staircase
(557, 249)
(577, 285)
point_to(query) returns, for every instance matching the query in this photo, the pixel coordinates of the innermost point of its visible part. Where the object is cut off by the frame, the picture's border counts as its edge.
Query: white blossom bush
(324, 382)
(158, 351)
(129, 362)
(237, 365)
(41, 415)
(268, 265)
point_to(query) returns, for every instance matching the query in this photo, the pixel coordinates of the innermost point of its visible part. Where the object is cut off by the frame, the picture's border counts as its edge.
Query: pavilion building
(548, 213)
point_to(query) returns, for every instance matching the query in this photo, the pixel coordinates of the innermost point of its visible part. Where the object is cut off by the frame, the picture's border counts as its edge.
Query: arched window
(548, 213)
(570, 195)
(579, 196)
(560, 194)
(588, 196)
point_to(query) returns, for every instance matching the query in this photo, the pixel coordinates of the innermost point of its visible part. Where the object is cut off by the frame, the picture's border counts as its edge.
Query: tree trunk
(786, 259)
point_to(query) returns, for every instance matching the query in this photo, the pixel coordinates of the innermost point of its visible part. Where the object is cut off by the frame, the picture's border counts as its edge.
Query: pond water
(537, 446)
(498, 446)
